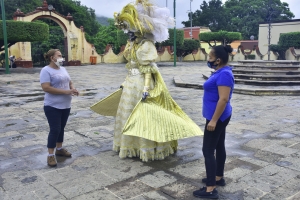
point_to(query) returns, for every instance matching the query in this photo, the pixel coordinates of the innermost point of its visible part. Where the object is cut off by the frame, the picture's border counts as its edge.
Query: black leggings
(214, 140)
(57, 119)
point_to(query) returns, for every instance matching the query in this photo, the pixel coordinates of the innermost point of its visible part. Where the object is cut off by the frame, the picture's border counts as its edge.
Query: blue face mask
(212, 64)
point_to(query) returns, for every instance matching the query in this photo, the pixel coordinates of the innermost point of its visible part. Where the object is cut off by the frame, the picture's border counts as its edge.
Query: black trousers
(214, 141)
(57, 120)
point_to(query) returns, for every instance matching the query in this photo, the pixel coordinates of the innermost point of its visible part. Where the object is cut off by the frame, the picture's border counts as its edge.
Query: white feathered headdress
(148, 19)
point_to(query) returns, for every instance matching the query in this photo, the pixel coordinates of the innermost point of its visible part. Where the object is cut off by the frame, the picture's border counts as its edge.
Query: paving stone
(190, 170)
(49, 193)
(289, 189)
(102, 194)
(180, 190)
(281, 150)
(268, 156)
(255, 161)
(158, 179)
(24, 196)
(129, 189)
(252, 193)
(260, 143)
(290, 162)
(237, 173)
(154, 195)
(269, 178)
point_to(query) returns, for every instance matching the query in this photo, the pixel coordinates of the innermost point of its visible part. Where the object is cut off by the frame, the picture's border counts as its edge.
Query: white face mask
(59, 62)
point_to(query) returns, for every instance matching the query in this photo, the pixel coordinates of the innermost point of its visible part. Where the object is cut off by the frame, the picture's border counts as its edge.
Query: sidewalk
(263, 144)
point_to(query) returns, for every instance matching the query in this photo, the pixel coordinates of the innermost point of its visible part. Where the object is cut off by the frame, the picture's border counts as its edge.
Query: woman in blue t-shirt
(59, 89)
(217, 112)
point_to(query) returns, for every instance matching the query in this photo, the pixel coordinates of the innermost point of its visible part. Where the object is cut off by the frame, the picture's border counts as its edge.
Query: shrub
(24, 32)
(251, 57)
(179, 38)
(286, 40)
(222, 36)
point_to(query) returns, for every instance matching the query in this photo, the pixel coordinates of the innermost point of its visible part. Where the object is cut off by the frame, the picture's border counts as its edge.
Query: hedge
(222, 36)
(286, 40)
(18, 31)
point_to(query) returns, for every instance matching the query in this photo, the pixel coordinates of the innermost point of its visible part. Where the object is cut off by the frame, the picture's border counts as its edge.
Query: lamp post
(174, 51)
(269, 19)
(166, 3)
(191, 16)
(5, 36)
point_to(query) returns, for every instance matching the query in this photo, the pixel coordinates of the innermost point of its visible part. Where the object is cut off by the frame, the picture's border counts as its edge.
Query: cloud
(108, 8)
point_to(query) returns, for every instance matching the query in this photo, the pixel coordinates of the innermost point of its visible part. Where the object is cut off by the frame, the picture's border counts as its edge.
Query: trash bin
(93, 60)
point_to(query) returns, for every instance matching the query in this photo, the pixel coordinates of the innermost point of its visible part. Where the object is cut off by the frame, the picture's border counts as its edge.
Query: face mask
(59, 62)
(211, 64)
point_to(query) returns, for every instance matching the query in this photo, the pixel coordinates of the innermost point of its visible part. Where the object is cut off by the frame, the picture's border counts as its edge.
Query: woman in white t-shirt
(59, 90)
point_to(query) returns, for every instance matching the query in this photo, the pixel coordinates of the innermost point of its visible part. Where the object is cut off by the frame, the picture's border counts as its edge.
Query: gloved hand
(145, 94)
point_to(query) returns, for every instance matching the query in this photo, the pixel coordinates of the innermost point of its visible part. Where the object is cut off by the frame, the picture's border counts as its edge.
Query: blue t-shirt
(58, 78)
(222, 77)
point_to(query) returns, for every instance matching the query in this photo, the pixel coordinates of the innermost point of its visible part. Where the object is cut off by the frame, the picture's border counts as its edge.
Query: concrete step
(262, 82)
(247, 89)
(271, 62)
(266, 83)
(266, 67)
(268, 77)
(266, 72)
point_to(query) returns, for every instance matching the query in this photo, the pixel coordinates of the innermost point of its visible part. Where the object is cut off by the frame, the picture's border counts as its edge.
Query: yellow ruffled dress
(147, 129)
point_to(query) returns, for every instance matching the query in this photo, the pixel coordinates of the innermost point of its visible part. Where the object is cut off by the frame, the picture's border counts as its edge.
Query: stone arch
(77, 49)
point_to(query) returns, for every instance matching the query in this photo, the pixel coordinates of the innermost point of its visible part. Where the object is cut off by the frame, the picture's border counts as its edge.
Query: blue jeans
(214, 141)
(57, 120)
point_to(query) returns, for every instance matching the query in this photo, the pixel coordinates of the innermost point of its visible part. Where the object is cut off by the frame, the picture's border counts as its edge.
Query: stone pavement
(263, 144)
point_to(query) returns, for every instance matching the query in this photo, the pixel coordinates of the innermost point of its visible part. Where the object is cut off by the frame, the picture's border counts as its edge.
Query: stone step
(268, 77)
(262, 82)
(266, 83)
(248, 89)
(267, 67)
(271, 62)
(266, 72)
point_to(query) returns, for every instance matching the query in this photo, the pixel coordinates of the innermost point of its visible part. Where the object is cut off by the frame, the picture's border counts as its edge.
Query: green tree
(222, 36)
(25, 6)
(241, 16)
(188, 46)
(246, 15)
(211, 14)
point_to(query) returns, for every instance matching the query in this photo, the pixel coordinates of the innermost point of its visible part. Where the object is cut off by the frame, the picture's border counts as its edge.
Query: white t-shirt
(58, 78)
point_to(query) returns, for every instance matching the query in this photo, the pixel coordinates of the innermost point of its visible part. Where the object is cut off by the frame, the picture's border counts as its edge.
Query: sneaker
(51, 161)
(63, 152)
(220, 182)
(201, 193)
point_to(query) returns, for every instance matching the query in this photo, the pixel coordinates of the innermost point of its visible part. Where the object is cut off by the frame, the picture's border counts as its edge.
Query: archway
(77, 49)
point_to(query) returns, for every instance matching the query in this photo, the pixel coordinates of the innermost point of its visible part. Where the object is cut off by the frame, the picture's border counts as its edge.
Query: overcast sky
(182, 6)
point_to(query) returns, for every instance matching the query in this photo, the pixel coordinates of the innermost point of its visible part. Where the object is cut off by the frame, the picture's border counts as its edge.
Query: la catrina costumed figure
(148, 121)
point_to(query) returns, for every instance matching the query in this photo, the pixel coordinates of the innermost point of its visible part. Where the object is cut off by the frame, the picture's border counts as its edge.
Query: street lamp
(269, 20)
(174, 51)
(191, 16)
(4, 36)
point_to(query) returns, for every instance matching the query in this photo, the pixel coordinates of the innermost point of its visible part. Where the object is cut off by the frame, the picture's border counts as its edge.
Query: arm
(146, 85)
(146, 54)
(48, 88)
(73, 88)
(224, 93)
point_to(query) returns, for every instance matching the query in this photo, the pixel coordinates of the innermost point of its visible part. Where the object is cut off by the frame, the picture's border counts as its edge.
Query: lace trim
(146, 155)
